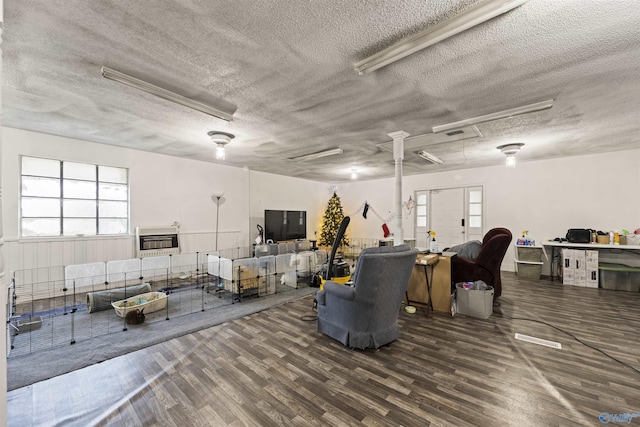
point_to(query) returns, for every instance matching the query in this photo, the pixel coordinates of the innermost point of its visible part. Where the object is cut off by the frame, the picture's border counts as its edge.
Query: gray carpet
(41, 365)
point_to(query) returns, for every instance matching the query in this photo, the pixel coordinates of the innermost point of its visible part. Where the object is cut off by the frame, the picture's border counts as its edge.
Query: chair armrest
(338, 290)
(464, 270)
(465, 262)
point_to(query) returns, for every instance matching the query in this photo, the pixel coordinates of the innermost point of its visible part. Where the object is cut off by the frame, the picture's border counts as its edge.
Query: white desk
(590, 246)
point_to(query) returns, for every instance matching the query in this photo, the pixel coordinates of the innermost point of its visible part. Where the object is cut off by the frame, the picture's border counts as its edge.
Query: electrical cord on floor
(572, 336)
(311, 317)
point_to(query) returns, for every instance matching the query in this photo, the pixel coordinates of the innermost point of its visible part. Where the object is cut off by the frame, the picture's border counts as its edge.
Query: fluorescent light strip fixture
(430, 157)
(471, 17)
(538, 106)
(128, 80)
(318, 155)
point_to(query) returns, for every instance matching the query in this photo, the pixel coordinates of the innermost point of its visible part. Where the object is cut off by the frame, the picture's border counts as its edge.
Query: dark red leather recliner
(486, 266)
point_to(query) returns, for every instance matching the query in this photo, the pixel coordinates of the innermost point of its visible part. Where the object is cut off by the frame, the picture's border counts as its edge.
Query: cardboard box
(474, 303)
(591, 269)
(580, 278)
(578, 267)
(568, 267)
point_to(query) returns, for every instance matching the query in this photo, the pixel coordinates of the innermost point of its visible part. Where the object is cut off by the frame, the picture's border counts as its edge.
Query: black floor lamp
(217, 197)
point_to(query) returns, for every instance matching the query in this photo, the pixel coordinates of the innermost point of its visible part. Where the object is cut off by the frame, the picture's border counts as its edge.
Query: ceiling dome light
(220, 139)
(510, 151)
(354, 174)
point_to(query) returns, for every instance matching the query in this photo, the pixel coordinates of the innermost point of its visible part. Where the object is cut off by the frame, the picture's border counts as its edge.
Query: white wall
(268, 191)
(545, 197)
(163, 189)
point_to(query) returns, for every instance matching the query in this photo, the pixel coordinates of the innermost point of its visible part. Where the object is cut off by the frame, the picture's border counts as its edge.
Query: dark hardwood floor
(273, 369)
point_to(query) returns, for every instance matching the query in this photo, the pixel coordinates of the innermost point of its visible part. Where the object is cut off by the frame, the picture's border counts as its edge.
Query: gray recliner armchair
(365, 314)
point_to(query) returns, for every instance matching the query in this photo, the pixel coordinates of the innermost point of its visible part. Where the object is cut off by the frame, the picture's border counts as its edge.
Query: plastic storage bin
(529, 262)
(529, 269)
(619, 277)
(529, 253)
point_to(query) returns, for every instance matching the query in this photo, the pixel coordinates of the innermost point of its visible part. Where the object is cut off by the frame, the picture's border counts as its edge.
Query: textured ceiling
(286, 68)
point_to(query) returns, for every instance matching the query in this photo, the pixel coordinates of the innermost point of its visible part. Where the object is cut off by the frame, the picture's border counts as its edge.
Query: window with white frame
(61, 198)
(421, 209)
(475, 207)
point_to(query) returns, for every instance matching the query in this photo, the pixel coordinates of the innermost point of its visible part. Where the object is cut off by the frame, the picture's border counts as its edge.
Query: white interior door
(447, 216)
(456, 215)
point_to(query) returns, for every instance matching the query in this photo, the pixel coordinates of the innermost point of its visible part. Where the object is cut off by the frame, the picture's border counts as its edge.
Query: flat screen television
(285, 225)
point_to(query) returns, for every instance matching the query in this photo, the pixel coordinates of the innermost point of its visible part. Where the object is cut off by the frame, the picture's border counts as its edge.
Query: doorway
(455, 214)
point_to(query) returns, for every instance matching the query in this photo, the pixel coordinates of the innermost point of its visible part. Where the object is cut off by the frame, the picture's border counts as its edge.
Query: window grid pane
(75, 226)
(475, 207)
(79, 208)
(35, 207)
(35, 227)
(42, 187)
(112, 191)
(81, 171)
(475, 196)
(112, 226)
(40, 167)
(109, 209)
(90, 206)
(111, 174)
(73, 189)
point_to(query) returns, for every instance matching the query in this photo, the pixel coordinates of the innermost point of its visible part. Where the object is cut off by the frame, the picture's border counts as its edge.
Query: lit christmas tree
(331, 220)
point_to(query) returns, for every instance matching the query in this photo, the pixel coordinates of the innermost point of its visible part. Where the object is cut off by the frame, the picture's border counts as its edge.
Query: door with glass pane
(455, 214)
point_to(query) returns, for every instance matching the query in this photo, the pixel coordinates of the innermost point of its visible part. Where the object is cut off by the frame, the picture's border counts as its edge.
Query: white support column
(398, 156)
